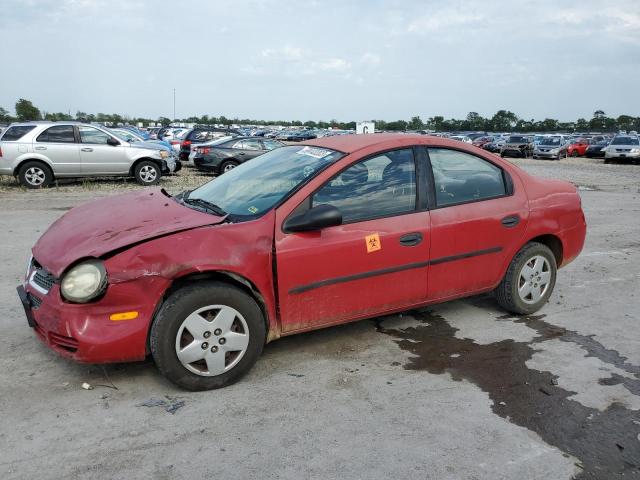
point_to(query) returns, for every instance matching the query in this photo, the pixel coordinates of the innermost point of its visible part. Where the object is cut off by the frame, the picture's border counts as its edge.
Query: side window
(461, 177)
(239, 145)
(252, 145)
(271, 144)
(92, 135)
(57, 134)
(378, 187)
(15, 133)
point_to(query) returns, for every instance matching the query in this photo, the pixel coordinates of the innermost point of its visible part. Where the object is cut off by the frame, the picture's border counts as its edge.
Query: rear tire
(228, 165)
(223, 324)
(529, 280)
(35, 174)
(147, 173)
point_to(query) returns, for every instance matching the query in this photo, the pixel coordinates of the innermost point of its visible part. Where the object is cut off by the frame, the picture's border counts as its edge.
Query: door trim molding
(385, 271)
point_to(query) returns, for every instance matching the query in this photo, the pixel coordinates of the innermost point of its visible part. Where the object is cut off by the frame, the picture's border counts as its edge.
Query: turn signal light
(116, 317)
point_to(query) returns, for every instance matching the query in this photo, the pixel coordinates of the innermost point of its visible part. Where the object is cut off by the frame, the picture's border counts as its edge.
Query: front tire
(147, 173)
(34, 174)
(207, 335)
(529, 280)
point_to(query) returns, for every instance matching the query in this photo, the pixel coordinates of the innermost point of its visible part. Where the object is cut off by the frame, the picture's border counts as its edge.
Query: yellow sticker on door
(373, 242)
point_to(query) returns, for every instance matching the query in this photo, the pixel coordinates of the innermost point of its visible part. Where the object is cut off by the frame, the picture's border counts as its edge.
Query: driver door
(375, 261)
(97, 156)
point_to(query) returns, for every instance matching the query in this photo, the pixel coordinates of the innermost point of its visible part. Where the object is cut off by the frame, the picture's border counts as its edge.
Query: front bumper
(624, 155)
(84, 332)
(539, 154)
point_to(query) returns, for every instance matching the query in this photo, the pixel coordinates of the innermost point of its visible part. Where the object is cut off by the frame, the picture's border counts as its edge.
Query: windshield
(518, 140)
(550, 141)
(625, 141)
(127, 137)
(254, 187)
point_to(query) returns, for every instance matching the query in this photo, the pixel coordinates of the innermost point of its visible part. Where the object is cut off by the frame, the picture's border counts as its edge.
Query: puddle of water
(606, 442)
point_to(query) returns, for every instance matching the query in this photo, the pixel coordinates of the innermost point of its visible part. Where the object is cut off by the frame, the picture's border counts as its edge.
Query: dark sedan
(595, 150)
(225, 156)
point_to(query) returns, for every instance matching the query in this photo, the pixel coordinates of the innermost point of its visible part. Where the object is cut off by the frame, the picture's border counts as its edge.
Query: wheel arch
(142, 159)
(553, 242)
(21, 162)
(230, 278)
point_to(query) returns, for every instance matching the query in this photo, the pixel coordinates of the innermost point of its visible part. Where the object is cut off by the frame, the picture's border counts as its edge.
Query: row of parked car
(38, 152)
(609, 147)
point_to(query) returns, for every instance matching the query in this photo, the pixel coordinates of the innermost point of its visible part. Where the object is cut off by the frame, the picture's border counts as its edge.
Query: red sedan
(578, 148)
(303, 237)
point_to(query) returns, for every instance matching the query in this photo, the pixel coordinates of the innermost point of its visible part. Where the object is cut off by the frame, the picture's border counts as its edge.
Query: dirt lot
(456, 391)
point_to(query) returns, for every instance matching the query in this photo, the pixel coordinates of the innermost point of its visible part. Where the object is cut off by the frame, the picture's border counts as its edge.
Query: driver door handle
(411, 239)
(86, 149)
(510, 221)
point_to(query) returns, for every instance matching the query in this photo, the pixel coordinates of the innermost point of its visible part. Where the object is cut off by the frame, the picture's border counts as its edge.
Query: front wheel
(147, 173)
(529, 280)
(207, 335)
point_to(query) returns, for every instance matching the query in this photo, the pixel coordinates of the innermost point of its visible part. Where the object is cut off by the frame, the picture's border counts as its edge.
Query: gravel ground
(460, 390)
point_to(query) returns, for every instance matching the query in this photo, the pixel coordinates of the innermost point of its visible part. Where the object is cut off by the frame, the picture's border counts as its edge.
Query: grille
(67, 343)
(44, 279)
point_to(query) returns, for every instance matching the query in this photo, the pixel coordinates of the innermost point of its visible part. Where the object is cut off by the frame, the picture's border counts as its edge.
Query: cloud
(371, 59)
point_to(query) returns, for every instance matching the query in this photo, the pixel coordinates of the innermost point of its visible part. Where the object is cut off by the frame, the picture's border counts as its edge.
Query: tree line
(501, 121)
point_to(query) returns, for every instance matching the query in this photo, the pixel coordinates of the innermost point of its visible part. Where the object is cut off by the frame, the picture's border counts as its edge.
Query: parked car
(39, 152)
(461, 138)
(226, 156)
(303, 237)
(196, 146)
(496, 145)
(622, 147)
(578, 147)
(482, 141)
(131, 136)
(553, 146)
(596, 150)
(201, 135)
(517, 145)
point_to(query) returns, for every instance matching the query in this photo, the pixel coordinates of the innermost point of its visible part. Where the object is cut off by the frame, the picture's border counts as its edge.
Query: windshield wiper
(211, 207)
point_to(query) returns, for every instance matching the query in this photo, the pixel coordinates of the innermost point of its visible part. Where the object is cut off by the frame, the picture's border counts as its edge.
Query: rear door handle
(510, 221)
(41, 148)
(86, 149)
(410, 239)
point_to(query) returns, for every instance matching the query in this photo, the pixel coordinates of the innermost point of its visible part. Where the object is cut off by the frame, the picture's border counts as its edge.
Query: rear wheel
(35, 174)
(575, 154)
(529, 280)
(228, 165)
(207, 335)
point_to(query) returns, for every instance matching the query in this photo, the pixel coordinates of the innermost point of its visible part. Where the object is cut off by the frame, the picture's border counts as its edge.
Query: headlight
(84, 282)
(635, 150)
(554, 150)
(163, 153)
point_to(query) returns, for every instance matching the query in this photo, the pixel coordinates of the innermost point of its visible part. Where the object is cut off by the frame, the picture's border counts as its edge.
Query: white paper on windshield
(314, 152)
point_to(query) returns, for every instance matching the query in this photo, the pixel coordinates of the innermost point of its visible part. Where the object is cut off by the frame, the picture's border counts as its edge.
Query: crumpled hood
(99, 227)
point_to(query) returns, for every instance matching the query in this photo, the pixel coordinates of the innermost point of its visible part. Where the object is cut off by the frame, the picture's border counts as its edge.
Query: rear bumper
(573, 241)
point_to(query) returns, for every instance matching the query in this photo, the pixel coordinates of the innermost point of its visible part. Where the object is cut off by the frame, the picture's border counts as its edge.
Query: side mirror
(316, 218)
(113, 142)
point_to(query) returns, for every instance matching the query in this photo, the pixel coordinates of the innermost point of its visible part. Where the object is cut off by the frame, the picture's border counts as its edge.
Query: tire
(575, 154)
(228, 165)
(147, 173)
(181, 323)
(606, 160)
(35, 174)
(512, 293)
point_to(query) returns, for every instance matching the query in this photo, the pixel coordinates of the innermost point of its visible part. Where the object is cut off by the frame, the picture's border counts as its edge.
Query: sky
(322, 60)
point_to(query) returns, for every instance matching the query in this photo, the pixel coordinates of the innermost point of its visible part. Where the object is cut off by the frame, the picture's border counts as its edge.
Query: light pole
(174, 104)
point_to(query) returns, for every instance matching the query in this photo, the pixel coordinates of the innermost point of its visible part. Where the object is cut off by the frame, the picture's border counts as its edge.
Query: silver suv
(38, 152)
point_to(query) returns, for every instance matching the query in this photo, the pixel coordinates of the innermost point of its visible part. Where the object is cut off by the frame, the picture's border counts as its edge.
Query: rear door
(97, 156)
(478, 222)
(58, 144)
(376, 261)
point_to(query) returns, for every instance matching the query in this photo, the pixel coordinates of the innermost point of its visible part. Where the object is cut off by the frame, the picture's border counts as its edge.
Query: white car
(461, 138)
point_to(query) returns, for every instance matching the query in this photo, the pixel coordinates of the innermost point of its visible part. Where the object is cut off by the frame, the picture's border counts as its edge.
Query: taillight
(205, 150)
(185, 144)
(175, 142)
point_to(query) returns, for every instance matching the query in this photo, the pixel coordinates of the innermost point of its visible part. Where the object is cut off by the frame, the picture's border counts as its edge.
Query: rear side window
(16, 133)
(57, 134)
(461, 177)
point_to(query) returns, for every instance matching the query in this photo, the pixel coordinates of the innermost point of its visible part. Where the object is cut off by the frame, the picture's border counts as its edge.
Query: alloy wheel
(35, 176)
(148, 174)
